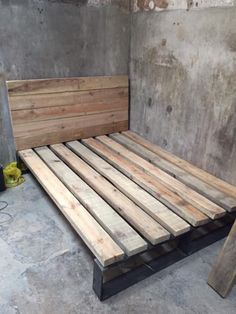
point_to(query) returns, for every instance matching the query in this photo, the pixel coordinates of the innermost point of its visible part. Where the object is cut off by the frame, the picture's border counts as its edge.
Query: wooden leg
(223, 274)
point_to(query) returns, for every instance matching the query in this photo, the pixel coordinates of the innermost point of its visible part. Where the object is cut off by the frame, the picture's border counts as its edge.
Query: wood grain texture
(69, 84)
(134, 143)
(200, 202)
(150, 184)
(90, 97)
(70, 133)
(112, 223)
(219, 184)
(57, 110)
(61, 107)
(39, 133)
(147, 202)
(136, 217)
(223, 273)
(98, 241)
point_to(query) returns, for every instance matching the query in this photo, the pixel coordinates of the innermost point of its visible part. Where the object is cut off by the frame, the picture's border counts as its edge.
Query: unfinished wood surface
(50, 106)
(223, 274)
(147, 202)
(150, 184)
(121, 232)
(61, 130)
(55, 136)
(40, 133)
(87, 99)
(197, 200)
(215, 195)
(7, 144)
(142, 222)
(199, 173)
(57, 110)
(68, 84)
(98, 241)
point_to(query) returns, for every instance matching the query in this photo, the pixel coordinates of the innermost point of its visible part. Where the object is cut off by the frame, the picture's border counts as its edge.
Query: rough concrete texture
(183, 73)
(41, 39)
(160, 5)
(45, 268)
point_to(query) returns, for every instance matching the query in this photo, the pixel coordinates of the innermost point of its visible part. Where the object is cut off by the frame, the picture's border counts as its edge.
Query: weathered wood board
(50, 111)
(223, 274)
(99, 242)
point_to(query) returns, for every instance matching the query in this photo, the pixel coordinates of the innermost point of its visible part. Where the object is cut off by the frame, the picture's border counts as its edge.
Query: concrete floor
(46, 269)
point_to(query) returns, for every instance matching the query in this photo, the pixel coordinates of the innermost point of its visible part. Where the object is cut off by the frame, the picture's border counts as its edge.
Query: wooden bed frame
(137, 207)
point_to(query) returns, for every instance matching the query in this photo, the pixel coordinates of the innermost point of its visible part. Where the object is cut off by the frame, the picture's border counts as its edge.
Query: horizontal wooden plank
(147, 202)
(150, 184)
(142, 222)
(68, 134)
(68, 111)
(215, 195)
(219, 184)
(55, 131)
(121, 232)
(60, 125)
(83, 98)
(69, 84)
(98, 241)
(200, 202)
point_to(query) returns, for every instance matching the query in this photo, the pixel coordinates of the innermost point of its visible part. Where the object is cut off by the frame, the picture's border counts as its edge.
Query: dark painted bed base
(108, 281)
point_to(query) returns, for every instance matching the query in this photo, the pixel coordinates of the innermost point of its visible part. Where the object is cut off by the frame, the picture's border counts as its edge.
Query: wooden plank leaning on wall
(7, 145)
(223, 274)
(51, 111)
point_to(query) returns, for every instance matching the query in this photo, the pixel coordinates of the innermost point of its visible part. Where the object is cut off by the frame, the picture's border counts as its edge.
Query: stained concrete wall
(164, 5)
(55, 38)
(183, 76)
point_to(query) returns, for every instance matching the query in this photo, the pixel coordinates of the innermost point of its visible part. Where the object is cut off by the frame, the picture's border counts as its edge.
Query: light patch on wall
(98, 2)
(160, 5)
(125, 4)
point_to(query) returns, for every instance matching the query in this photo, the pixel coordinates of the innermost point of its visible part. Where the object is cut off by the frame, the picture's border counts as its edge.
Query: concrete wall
(164, 5)
(55, 38)
(183, 76)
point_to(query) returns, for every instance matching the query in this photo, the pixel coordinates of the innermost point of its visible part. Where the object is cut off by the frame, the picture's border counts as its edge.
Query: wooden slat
(55, 131)
(115, 226)
(223, 274)
(142, 222)
(219, 184)
(150, 184)
(198, 185)
(69, 84)
(83, 98)
(200, 202)
(54, 113)
(99, 242)
(68, 110)
(147, 202)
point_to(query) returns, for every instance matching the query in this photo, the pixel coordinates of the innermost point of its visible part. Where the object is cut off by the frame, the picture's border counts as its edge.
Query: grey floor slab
(46, 269)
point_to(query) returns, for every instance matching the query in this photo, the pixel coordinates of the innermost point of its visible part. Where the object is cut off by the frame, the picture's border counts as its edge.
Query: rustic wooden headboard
(50, 111)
